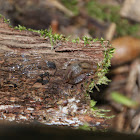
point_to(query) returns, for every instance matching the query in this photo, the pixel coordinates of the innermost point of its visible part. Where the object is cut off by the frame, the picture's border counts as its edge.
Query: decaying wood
(44, 84)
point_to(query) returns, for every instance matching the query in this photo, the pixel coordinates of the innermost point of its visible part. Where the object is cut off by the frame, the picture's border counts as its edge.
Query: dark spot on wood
(91, 79)
(88, 74)
(39, 67)
(15, 85)
(41, 75)
(44, 118)
(39, 80)
(51, 65)
(46, 74)
(45, 82)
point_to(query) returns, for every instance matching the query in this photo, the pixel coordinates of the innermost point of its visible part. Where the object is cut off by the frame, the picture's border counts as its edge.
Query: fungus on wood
(50, 85)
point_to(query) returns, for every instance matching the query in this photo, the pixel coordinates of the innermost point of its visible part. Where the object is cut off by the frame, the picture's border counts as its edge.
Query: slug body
(78, 71)
(126, 49)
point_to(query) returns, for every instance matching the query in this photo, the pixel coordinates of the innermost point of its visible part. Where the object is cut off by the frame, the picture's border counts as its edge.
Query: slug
(77, 72)
(127, 48)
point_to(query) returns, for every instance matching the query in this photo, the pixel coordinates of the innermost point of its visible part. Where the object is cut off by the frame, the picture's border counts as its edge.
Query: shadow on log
(44, 84)
(34, 131)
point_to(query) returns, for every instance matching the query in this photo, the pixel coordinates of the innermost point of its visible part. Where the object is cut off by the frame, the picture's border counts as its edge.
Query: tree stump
(45, 84)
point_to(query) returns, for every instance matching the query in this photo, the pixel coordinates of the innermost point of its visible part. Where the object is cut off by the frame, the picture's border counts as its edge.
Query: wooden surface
(44, 84)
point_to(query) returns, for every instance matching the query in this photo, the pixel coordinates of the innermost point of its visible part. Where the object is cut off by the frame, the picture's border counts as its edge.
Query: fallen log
(38, 82)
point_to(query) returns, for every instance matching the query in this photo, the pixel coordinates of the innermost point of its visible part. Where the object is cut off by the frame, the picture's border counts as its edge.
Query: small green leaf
(85, 127)
(119, 98)
(92, 103)
(95, 39)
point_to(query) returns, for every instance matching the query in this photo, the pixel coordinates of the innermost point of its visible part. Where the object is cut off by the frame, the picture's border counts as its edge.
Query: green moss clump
(46, 34)
(108, 54)
(104, 66)
(5, 20)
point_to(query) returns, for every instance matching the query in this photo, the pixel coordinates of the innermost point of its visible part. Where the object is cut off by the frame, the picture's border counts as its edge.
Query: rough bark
(45, 84)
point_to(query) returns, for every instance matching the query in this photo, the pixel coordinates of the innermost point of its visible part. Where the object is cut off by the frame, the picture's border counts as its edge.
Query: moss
(108, 54)
(101, 71)
(87, 127)
(76, 40)
(108, 13)
(46, 34)
(102, 11)
(19, 27)
(5, 20)
(102, 67)
(101, 113)
(111, 13)
(72, 5)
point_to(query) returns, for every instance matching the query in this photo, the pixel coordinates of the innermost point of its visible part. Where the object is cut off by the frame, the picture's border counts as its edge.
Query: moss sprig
(103, 67)
(47, 33)
(5, 20)
(76, 40)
